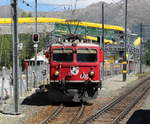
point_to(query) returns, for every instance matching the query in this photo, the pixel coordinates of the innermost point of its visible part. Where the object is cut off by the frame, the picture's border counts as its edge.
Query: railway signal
(35, 37)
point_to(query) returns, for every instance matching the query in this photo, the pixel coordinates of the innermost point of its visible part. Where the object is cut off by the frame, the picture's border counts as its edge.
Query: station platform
(113, 85)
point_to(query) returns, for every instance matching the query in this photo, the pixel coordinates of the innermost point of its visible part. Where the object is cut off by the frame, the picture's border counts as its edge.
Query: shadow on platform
(51, 97)
(140, 117)
(37, 99)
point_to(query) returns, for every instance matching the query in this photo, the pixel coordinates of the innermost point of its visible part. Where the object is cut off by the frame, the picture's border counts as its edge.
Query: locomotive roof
(78, 44)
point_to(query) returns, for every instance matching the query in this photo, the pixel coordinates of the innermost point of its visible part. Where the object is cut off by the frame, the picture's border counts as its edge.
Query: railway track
(53, 115)
(77, 115)
(113, 112)
(58, 115)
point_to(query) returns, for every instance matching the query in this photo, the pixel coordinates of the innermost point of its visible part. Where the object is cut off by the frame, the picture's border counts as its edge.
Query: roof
(39, 58)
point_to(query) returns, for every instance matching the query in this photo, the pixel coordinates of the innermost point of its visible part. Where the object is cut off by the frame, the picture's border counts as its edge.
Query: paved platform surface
(146, 105)
(116, 82)
(113, 85)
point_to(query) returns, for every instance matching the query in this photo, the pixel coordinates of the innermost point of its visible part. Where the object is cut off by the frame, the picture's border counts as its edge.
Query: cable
(75, 7)
(56, 6)
(53, 4)
(26, 3)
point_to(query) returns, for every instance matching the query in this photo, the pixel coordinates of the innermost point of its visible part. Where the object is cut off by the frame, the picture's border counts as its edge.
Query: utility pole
(141, 35)
(35, 16)
(35, 44)
(125, 45)
(103, 44)
(15, 55)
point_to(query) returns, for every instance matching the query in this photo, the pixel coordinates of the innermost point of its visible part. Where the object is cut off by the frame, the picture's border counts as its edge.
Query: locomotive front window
(86, 55)
(62, 55)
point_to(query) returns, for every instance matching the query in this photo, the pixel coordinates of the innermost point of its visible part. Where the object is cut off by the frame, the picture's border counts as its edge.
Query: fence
(28, 79)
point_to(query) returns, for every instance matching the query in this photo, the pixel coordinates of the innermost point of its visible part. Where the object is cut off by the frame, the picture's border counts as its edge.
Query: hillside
(5, 11)
(138, 11)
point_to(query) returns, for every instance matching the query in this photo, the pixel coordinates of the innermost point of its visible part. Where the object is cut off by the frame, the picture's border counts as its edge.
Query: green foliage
(26, 14)
(147, 57)
(26, 53)
(147, 44)
(29, 14)
(28, 49)
(5, 50)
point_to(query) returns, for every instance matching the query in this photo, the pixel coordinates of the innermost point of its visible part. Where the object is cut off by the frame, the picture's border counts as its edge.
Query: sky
(54, 5)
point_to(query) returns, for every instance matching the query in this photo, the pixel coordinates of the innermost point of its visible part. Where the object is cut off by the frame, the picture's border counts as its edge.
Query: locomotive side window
(62, 55)
(86, 55)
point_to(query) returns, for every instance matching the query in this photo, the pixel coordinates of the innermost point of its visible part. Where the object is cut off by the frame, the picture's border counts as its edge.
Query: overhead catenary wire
(26, 3)
(75, 7)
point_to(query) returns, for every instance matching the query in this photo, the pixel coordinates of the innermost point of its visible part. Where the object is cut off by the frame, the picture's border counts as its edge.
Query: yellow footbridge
(64, 21)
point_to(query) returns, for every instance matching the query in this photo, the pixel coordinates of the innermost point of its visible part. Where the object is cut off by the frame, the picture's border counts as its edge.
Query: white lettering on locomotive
(84, 76)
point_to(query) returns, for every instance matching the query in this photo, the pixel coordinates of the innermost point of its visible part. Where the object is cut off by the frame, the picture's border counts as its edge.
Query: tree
(147, 57)
(29, 14)
(26, 53)
(26, 14)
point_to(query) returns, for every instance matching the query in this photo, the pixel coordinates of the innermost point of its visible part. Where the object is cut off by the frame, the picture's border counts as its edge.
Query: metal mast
(15, 55)
(141, 35)
(103, 38)
(35, 45)
(125, 45)
(35, 16)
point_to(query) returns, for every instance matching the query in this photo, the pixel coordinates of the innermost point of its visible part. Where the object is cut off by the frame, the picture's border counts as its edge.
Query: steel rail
(129, 107)
(113, 103)
(53, 114)
(77, 116)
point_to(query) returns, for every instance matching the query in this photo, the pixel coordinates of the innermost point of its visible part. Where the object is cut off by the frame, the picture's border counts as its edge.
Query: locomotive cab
(75, 70)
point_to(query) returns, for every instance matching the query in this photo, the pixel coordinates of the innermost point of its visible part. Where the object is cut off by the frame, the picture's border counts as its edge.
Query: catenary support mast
(125, 45)
(15, 55)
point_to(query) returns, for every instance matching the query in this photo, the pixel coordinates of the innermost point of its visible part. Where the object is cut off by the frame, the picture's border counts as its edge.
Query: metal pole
(141, 35)
(35, 45)
(15, 53)
(2, 86)
(27, 78)
(103, 38)
(36, 16)
(125, 44)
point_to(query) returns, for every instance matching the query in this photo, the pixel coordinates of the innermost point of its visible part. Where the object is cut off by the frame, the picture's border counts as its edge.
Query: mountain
(5, 11)
(138, 11)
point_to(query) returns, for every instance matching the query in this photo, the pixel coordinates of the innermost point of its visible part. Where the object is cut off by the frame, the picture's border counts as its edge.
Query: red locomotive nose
(68, 76)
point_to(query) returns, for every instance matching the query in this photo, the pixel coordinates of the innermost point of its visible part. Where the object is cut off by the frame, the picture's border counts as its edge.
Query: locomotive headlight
(56, 73)
(91, 73)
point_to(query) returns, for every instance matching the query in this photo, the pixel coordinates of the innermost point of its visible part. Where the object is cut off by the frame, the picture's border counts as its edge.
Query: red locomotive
(75, 68)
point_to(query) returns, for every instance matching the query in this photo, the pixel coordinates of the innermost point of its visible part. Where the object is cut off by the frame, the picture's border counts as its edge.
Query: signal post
(35, 39)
